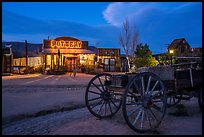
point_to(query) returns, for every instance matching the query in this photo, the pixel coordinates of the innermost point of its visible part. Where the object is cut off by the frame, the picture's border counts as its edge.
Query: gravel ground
(30, 95)
(81, 122)
(21, 102)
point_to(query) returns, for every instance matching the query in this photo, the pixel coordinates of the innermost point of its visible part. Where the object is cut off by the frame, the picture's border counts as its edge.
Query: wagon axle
(106, 95)
(147, 102)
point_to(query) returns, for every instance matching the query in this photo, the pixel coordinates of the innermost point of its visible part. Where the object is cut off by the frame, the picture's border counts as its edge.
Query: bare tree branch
(135, 42)
(128, 40)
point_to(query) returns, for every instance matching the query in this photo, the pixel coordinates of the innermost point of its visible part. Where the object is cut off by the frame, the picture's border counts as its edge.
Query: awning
(68, 51)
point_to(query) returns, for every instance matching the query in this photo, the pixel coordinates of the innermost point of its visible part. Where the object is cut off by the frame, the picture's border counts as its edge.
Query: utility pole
(26, 56)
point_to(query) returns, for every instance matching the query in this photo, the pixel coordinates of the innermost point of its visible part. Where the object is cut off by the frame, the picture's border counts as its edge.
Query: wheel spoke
(149, 80)
(152, 113)
(133, 111)
(114, 103)
(97, 87)
(136, 86)
(105, 107)
(101, 83)
(142, 120)
(137, 117)
(157, 108)
(95, 92)
(100, 107)
(110, 107)
(148, 118)
(97, 103)
(94, 99)
(153, 87)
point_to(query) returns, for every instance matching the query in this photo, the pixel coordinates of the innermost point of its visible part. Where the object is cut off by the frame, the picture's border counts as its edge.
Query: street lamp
(171, 54)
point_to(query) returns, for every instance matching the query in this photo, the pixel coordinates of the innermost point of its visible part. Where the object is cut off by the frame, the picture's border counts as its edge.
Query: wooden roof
(66, 38)
(178, 42)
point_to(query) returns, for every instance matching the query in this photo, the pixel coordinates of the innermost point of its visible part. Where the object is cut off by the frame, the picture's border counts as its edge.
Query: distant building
(180, 47)
(109, 58)
(196, 52)
(180, 51)
(63, 53)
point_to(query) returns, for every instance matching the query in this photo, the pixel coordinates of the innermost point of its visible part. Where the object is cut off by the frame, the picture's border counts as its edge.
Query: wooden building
(66, 52)
(109, 59)
(180, 51)
(179, 47)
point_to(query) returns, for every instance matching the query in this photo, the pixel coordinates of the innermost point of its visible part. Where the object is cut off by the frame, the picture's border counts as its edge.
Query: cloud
(17, 27)
(159, 23)
(117, 12)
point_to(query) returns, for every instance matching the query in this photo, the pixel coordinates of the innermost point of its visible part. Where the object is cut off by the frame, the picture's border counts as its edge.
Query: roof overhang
(68, 51)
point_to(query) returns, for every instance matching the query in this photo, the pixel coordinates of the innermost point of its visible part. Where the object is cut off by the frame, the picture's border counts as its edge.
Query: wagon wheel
(173, 98)
(144, 102)
(101, 101)
(200, 102)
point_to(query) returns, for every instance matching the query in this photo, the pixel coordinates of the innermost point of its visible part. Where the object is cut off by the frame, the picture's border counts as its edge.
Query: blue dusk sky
(100, 23)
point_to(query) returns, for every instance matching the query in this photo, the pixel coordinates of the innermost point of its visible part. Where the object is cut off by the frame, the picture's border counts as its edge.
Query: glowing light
(65, 44)
(171, 51)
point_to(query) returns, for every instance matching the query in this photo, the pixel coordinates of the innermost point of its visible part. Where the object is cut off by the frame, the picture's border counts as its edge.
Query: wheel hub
(147, 102)
(106, 95)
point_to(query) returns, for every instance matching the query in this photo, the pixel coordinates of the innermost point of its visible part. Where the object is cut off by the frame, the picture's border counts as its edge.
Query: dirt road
(81, 122)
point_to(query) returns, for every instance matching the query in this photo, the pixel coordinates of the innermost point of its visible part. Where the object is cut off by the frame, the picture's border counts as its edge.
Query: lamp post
(171, 54)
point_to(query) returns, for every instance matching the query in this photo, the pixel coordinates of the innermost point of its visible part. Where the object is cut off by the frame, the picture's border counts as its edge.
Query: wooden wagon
(144, 95)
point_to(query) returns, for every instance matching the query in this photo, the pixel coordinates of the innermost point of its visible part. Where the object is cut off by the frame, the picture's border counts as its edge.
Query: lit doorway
(70, 63)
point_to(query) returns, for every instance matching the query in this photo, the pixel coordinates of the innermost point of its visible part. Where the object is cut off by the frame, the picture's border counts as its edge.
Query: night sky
(158, 23)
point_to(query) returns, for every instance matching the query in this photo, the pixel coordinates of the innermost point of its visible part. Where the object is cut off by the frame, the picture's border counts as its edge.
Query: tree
(143, 51)
(128, 40)
(144, 56)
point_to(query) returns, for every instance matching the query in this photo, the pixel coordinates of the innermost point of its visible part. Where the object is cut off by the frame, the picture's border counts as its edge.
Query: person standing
(74, 72)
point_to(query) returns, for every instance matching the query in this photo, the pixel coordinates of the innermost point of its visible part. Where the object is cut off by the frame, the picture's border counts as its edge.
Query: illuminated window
(48, 61)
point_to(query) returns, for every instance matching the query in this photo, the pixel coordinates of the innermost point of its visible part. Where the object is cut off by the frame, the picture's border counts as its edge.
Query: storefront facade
(66, 52)
(109, 59)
